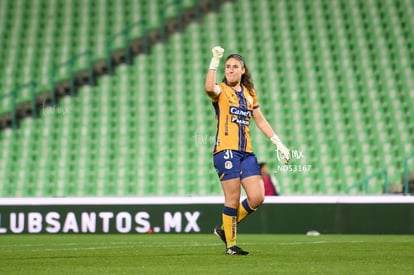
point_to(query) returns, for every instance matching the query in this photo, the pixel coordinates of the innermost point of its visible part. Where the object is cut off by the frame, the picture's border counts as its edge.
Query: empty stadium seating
(334, 78)
(38, 35)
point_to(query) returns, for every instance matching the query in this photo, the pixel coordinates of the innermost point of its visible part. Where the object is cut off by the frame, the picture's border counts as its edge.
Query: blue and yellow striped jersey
(234, 109)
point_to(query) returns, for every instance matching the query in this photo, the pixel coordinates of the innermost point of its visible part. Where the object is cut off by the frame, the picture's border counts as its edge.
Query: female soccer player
(235, 103)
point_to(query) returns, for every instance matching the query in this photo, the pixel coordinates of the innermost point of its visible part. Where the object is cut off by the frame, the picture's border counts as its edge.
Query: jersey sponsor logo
(228, 165)
(240, 121)
(240, 112)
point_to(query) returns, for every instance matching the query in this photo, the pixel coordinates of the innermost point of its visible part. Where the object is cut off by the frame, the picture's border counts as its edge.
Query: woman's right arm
(211, 87)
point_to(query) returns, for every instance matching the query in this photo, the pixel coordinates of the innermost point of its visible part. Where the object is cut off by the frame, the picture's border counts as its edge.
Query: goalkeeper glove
(217, 54)
(281, 148)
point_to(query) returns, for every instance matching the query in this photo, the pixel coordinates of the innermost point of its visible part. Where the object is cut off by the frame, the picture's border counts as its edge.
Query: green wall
(291, 218)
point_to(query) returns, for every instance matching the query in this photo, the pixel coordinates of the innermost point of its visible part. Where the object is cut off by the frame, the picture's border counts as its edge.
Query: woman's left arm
(265, 127)
(262, 123)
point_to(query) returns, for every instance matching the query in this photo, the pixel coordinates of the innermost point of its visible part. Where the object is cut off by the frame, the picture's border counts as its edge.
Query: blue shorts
(231, 164)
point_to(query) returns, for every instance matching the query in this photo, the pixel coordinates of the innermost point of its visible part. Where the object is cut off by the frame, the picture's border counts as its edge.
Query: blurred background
(106, 98)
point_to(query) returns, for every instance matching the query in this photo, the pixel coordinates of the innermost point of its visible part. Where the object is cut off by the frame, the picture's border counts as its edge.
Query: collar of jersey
(242, 89)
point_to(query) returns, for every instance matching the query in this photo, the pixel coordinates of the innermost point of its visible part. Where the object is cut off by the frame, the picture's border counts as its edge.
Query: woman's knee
(232, 202)
(231, 190)
(256, 200)
(255, 191)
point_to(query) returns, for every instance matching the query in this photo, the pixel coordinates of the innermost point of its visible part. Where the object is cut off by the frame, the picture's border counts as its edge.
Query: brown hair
(246, 79)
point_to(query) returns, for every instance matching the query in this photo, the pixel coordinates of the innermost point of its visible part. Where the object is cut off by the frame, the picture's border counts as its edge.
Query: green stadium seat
(331, 89)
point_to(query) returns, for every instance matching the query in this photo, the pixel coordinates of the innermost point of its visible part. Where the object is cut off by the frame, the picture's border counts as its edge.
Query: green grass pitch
(204, 254)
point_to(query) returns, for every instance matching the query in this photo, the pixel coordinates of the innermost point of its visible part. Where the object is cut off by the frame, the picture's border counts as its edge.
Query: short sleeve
(255, 100)
(218, 90)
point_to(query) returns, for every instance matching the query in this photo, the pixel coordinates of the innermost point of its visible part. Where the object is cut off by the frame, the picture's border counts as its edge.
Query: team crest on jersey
(228, 165)
(232, 98)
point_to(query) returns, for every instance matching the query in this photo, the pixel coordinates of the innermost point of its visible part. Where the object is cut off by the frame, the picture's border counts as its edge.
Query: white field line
(120, 245)
(320, 242)
(126, 246)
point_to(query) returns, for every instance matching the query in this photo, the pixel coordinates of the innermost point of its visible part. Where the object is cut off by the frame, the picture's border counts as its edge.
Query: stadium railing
(176, 4)
(406, 191)
(126, 35)
(71, 64)
(13, 95)
(364, 184)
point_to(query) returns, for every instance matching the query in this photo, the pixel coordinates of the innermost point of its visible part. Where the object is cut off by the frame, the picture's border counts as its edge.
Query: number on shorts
(228, 154)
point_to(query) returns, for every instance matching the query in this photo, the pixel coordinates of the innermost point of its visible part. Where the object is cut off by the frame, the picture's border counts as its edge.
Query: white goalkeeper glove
(217, 54)
(281, 148)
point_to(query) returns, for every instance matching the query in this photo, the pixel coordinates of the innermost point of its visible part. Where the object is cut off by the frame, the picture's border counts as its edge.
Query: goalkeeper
(235, 103)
